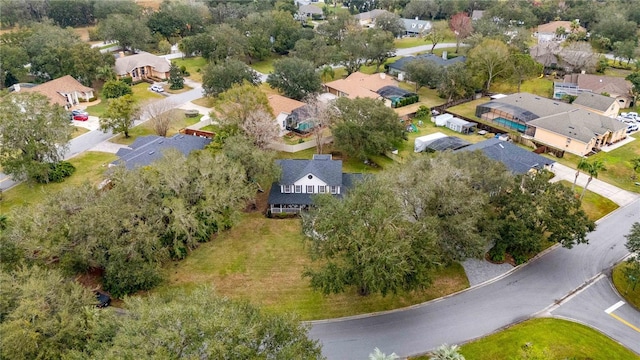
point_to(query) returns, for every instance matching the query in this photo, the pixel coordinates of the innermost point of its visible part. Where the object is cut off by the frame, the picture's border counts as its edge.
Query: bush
(127, 80)
(498, 252)
(56, 172)
(126, 276)
(115, 88)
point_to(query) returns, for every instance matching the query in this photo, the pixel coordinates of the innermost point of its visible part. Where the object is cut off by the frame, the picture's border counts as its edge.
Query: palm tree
(379, 355)
(446, 352)
(592, 169)
(582, 165)
(327, 72)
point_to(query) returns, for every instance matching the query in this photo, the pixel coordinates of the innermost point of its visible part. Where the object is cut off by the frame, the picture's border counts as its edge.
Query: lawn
(265, 66)
(141, 94)
(90, 166)
(77, 131)
(349, 165)
(194, 66)
(539, 86)
(262, 260)
(179, 121)
(618, 163)
(596, 206)
(625, 287)
(551, 339)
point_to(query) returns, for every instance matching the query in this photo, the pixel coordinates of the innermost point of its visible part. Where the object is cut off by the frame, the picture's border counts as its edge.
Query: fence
(298, 147)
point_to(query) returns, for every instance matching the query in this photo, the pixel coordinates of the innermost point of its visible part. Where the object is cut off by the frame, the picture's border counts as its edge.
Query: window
(334, 189)
(309, 189)
(298, 189)
(287, 189)
(321, 189)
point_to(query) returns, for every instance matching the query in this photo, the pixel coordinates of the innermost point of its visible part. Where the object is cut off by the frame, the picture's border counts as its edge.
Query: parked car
(104, 300)
(632, 127)
(157, 88)
(78, 112)
(80, 117)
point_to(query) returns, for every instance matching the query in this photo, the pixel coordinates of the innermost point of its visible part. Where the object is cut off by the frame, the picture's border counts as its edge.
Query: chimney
(383, 75)
(417, 18)
(583, 72)
(121, 54)
(444, 55)
(16, 87)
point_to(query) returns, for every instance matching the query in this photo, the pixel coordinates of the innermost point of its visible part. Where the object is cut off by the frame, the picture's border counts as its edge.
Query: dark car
(104, 300)
(80, 117)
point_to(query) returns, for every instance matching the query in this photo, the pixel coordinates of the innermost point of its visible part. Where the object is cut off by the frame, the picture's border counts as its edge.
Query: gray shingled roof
(517, 159)
(401, 64)
(416, 26)
(527, 106)
(579, 124)
(447, 143)
(277, 197)
(126, 64)
(327, 170)
(147, 149)
(594, 101)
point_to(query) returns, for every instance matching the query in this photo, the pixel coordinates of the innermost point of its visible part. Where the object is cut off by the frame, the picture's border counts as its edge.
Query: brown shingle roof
(55, 88)
(281, 104)
(552, 26)
(126, 64)
(362, 85)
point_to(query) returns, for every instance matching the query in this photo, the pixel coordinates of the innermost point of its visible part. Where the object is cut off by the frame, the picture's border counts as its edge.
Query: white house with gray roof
(301, 179)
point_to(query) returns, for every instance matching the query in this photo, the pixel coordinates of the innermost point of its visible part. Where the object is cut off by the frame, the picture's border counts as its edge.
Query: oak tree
(120, 115)
(296, 78)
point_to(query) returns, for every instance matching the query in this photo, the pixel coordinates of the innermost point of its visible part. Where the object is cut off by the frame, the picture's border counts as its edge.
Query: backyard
(193, 65)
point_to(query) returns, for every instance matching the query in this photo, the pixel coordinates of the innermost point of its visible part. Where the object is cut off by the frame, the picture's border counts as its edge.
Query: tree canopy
(296, 78)
(120, 115)
(218, 78)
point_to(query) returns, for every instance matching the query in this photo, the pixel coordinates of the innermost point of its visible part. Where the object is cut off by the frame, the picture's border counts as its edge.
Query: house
(415, 27)
(547, 32)
(438, 142)
(578, 131)
(553, 123)
(397, 96)
(360, 85)
(369, 17)
(552, 55)
(65, 91)
(516, 159)
(310, 12)
(600, 104)
(283, 107)
(141, 66)
(616, 87)
(301, 179)
(147, 149)
(398, 67)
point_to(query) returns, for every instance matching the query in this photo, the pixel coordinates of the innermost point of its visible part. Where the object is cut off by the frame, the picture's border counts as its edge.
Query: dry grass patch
(77, 131)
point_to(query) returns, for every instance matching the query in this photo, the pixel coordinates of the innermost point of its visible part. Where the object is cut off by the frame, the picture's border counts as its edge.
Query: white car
(632, 127)
(156, 88)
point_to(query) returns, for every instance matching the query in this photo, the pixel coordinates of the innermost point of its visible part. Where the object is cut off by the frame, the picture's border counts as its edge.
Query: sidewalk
(613, 193)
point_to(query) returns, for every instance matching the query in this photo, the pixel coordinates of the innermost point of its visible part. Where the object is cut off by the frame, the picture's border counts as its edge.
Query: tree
(176, 79)
(373, 248)
(456, 82)
(390, 22)
(259, 164)
(120, 115)
(159, 114)
(320, 114)
(523, 67)
(327, 72)
(460, 25)
(489, 60)
(174, 19)
(422, 9)
(379, 46)
(116, 88)
(33, 134)
(424, 72)
(315, 50)
(439, 31)
(365, 127)
(560, 32)
(635, 165)
(237, 106)
(592, 168)
(335, 28)
(634, 78)
(353, 50)
(296, 78)
(447, 352)
(130, 32)
(615, 27)
(71, 13)
(582, 165)
(633, 245)
(219, 78)
(102, 9)
(624, 50)
(12, 62)
(377, 354)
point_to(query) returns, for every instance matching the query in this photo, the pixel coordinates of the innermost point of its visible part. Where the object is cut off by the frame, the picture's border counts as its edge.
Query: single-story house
(65, 91)
(398, 67)
(547, 32)
(553, 56)
(301, 179)
(310, 12)
(575, 84)
(600, 104)
(416, 27)
(360, 85)
(516, 159)
(397, 96)
(142, 65)
(147, 149)
(283, 107)
(578, 131)
(438, 142)
(369, 17)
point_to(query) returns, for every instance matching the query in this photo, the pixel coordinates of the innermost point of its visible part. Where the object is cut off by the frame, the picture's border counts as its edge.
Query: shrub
(115, 88)
(56, 172)
(127, 80)
(498, 252)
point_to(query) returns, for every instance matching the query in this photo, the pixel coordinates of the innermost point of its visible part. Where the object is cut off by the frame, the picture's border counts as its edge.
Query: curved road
(544, 287)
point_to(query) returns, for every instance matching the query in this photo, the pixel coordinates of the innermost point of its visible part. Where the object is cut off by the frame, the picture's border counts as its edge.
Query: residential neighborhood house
(555, 57)
(416, 27)
(310, 12)
(553, 123)
(600, 104)
(283, 107)
(360, 85)
(576, 84)
(548, 32)
(301, 179)
(398, 67)
(141, 66)
(147, 149)
(515, 158)
(368, 18)
(65, 91)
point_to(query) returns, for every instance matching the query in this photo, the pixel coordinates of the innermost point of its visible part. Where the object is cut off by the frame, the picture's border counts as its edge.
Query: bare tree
(320, 114)
(261, 127)
(160, 115)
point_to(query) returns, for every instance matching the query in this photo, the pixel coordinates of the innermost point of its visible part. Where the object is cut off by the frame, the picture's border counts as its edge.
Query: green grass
(194, 66)
(554, 338)
(349, 164)
(265, 66)
(371, 69)
(77, 131)
(409, 42)
(624, 286)
(90, 166)
(141, 94)
(596, 206)
(179, 121)
(539, 86)
(261, 260)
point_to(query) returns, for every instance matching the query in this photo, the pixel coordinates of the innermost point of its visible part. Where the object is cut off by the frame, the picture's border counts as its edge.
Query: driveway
(92, 124)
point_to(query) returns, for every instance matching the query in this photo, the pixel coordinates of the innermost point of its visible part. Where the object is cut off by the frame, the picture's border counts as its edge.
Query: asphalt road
(527, 292)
